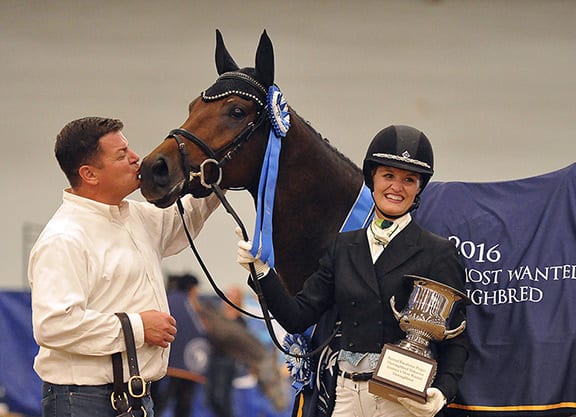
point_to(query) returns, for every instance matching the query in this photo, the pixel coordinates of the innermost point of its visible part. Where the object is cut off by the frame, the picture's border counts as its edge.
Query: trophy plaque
(407, 368)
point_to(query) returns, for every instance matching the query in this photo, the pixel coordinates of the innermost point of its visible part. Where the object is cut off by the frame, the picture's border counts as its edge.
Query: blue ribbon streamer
(277, 110)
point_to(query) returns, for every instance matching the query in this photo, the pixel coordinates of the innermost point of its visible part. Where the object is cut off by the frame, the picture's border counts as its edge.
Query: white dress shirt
(91, 261)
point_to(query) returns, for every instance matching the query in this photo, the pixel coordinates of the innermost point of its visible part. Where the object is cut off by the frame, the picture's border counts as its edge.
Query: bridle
(218, 158)
(226, 153)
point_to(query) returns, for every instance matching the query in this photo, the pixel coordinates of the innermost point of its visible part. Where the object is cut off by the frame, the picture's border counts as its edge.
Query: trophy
(407, 368)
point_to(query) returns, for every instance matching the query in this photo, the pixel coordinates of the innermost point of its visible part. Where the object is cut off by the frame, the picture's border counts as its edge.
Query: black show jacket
(362, 290)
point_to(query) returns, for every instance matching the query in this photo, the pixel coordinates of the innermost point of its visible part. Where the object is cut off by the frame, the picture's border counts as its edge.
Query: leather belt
(356, 376)
(147, 387)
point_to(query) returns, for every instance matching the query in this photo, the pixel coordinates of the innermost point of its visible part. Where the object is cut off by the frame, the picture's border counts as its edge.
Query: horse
(224, 140)
(224, 144)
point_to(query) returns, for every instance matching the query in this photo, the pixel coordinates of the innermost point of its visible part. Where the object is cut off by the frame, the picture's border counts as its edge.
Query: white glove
(244, 256)
(435, 400)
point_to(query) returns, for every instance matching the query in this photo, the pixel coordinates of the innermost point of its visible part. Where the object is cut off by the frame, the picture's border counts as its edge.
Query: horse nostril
(160, 172)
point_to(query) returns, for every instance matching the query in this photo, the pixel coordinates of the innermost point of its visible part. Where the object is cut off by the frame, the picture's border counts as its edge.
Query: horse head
(226, 117)
(224, 141)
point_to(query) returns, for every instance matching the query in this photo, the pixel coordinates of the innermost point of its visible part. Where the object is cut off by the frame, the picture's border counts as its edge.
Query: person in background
(189, 352)
(98, 255)
(361, 270)
(222, 368)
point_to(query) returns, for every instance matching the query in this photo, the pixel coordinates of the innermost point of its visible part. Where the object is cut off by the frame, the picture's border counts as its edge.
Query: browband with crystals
(230, 92)
(402, 158)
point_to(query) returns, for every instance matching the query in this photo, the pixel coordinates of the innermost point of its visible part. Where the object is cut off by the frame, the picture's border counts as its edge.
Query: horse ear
(265, 60)
(224, 61)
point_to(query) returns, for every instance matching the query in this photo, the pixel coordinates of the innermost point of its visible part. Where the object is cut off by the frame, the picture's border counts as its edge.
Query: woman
(363, 269)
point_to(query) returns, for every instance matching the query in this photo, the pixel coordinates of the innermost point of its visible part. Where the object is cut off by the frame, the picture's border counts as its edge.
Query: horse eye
(237, 112)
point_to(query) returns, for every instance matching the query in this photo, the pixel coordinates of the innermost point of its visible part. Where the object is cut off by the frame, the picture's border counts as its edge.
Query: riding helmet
(401, 147)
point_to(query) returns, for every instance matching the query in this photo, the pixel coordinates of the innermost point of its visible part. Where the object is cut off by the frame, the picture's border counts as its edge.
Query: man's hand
(159, 328)
(434, 402)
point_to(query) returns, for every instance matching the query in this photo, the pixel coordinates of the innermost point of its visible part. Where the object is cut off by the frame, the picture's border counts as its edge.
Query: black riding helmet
(401, 147)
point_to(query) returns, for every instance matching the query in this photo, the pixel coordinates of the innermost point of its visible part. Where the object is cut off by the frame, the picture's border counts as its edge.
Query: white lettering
(477, 276)
(501, 296)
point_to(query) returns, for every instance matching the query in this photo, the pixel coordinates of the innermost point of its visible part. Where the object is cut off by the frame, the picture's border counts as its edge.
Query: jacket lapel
(361, 260)
(401, 249)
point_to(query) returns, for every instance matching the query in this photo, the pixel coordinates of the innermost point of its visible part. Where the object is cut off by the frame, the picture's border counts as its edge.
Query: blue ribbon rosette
(300, 368)
(277, 111)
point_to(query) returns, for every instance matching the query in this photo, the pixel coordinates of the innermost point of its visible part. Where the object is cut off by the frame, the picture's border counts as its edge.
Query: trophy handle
(397, 314)
(449, 334)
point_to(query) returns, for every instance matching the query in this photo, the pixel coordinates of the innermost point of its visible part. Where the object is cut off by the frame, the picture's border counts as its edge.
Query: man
(101, 254)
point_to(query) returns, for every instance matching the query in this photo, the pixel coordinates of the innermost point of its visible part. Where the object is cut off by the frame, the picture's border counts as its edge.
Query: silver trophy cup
(426, 315)
(407, 368)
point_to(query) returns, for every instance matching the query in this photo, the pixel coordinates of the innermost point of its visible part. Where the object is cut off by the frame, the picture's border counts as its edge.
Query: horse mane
(325, 141)
(328, 182)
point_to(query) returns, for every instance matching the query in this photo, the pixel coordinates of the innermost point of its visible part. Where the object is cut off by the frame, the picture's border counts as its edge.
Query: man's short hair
(78, 143)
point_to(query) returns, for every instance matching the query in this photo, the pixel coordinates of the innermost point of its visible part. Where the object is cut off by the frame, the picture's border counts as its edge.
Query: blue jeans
(84, 401)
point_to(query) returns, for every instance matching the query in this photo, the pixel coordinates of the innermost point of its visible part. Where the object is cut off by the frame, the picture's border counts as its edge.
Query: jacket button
(351, 344)
(353, 303)
(379, 322)
(355, 324)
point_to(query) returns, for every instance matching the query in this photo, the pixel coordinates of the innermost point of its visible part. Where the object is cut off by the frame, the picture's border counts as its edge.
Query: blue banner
(190, 350)
(518, 241)
(20, 384)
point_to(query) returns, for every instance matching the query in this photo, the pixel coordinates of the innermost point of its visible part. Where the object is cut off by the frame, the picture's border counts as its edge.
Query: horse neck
(310, 169)
(315, 190)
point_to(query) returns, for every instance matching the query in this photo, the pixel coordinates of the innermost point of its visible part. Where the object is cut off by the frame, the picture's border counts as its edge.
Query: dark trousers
(221, 373)
(175, 392)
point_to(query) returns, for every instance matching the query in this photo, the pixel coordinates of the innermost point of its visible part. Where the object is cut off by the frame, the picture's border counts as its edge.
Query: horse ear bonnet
(265, 61)
(250, 83)
(401, 147)
(224, 61)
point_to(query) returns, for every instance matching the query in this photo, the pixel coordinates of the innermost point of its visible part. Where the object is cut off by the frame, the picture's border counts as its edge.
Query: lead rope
(218, 291)
(256, 284)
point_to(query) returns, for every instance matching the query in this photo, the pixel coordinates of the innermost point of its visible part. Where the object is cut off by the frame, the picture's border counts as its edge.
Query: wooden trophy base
(402, 373)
